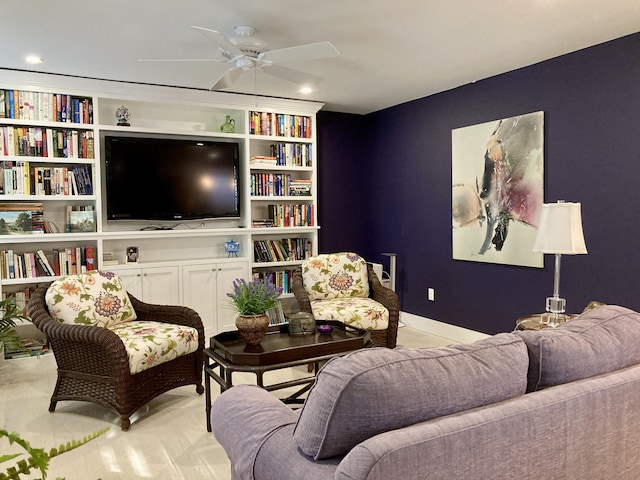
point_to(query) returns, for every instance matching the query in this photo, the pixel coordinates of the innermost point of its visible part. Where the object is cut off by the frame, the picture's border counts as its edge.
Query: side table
(539, 321)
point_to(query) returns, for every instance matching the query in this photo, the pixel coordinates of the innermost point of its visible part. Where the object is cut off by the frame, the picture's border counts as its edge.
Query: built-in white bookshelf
(172, 257)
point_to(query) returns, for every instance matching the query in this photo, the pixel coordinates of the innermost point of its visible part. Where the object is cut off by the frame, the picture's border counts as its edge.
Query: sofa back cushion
(335, 275)
(375, 390)
(95, 298)
(599, 341)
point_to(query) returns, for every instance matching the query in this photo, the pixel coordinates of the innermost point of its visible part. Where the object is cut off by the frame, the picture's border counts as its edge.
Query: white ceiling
(391, 51)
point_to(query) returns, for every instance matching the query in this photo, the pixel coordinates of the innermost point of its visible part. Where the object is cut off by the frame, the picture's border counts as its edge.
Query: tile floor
(167, 439)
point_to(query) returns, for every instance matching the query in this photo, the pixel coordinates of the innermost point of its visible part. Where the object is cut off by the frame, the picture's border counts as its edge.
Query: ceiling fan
(246, 52)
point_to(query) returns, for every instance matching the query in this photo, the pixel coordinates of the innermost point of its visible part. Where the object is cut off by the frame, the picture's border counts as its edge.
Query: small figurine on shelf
(132, 254)
(123, 116)
(229, 126)
(232, 248)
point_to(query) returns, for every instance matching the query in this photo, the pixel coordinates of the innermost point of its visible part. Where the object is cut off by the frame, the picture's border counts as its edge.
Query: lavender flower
(255, 297)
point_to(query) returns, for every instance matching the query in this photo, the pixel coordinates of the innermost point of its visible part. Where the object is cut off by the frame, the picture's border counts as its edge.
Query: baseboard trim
(445, 330)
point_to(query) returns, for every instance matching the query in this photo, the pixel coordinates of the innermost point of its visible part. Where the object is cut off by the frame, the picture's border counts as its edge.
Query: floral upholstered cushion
(363, 313)
(335, 275)
(151, 343)
(92, 298)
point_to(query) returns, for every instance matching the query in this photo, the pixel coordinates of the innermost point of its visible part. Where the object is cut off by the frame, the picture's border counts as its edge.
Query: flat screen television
(151, 178)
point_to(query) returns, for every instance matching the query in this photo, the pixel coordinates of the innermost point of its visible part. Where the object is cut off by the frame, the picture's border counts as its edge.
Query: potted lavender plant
(252, 300)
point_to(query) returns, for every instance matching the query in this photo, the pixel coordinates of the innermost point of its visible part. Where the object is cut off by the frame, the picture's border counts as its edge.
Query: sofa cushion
(335, 275)
(95, 298)
(598, 341)
(376, 390)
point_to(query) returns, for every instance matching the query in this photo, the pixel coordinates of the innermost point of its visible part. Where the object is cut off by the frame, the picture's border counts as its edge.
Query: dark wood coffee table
(229, 353)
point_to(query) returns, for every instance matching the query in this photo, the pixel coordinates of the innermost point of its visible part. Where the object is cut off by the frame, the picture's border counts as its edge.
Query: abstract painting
(498, 190)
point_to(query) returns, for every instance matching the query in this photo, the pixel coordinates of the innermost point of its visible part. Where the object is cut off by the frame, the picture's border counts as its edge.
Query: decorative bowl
(324, 329)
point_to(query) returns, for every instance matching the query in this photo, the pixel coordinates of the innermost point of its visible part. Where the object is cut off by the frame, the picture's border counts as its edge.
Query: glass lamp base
(553, 319)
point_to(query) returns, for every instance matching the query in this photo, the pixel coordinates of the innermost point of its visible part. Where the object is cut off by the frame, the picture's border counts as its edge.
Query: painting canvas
(20, 218)
(498, 190)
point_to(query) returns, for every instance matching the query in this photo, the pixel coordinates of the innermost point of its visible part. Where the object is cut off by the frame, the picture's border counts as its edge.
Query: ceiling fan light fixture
(245, 63)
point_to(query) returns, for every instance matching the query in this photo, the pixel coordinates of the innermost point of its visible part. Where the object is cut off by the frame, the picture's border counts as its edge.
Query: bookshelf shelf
(283, 198)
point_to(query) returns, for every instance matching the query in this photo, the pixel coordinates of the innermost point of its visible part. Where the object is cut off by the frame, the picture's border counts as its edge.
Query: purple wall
(388, 187)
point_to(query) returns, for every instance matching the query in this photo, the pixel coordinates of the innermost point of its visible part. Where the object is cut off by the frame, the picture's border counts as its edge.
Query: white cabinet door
(226, 274)
(205, 288)
(161, 285)
(199, 291)
(156, 285)
(131, 279)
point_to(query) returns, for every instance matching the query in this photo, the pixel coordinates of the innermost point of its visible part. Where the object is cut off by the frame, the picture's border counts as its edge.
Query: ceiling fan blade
(180, 60)
(226, 80)
(295, 76)
(221, 41)
(310, 51)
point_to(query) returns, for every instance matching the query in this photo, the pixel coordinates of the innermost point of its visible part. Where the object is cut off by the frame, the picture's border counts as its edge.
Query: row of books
(285, 155)
(20, 298)
(20, 178)
(291, 215)
(280, 278)
(292, 154)
(46, 142)
(64, 261)
(287, 249)
(279, 185)
(33, 348)
(276, 315)
(279, 124)
(45, 107)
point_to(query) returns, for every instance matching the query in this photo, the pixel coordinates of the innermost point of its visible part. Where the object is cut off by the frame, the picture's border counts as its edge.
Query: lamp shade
(560, 229)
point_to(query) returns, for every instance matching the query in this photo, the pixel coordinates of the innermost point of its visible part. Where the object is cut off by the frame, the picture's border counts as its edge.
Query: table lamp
(559, 233)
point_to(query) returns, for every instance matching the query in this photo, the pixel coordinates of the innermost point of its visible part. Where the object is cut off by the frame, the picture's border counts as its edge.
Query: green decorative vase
(253, 328)
(229, 126)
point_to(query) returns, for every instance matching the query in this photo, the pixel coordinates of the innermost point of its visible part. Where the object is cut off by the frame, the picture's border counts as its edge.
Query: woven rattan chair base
(93, 365)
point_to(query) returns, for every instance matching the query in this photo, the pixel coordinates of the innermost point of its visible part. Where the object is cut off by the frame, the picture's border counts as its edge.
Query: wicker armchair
(93, 365)
(385, 296)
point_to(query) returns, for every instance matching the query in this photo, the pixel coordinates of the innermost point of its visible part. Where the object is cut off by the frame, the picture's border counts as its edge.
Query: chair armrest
(299, 291)
(380, 293)
(389, 299)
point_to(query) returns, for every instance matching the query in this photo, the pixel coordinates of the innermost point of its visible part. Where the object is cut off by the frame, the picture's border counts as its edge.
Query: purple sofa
(560, 403)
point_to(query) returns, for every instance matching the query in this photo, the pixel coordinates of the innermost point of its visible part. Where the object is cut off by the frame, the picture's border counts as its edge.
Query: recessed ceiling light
(33, 59)
(306, 90)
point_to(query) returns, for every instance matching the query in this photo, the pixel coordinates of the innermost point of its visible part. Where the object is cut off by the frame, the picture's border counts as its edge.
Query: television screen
(171, 179)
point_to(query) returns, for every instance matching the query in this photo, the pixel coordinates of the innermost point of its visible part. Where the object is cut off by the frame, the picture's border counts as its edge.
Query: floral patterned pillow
(93, 298)
(335, 275)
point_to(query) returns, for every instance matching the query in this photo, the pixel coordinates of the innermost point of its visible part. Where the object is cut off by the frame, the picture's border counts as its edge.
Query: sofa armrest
(299, 291)
(242, 419)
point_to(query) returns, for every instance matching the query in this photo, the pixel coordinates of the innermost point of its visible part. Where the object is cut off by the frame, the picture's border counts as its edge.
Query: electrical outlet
(431, 294)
